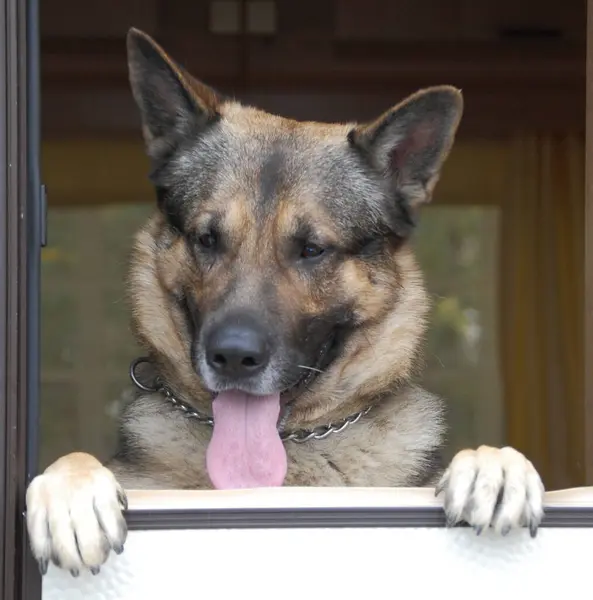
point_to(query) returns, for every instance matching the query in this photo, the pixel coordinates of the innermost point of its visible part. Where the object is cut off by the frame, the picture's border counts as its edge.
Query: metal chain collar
(300, 436)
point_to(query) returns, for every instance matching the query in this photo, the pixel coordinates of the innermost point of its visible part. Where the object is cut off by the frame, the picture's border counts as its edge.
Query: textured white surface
(334, 563)
(343, 563)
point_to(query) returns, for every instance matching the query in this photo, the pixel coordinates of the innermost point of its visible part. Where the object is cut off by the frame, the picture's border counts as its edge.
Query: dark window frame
(20, 235)
(21, 232)
(326, 518)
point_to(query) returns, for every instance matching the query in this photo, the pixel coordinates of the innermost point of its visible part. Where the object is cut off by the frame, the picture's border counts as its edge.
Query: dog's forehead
(269, 164)
(283, 154)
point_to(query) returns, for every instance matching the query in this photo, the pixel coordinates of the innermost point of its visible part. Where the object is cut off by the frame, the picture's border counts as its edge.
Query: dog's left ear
(172, 103)
(410, 142)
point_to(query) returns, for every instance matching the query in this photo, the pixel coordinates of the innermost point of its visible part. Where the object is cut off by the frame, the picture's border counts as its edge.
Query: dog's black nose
(237, 350)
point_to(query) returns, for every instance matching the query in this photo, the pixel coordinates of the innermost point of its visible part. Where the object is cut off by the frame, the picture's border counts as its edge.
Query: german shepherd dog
(281, 309)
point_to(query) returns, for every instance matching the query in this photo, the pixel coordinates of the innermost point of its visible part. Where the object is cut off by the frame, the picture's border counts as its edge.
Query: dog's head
(277, 262)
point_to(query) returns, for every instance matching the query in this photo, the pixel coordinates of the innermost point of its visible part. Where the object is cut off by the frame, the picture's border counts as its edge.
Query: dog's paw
(492, 487)
(74, 514)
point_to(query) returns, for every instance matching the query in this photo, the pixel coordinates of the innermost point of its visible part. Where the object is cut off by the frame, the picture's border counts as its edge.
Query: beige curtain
(542, 286)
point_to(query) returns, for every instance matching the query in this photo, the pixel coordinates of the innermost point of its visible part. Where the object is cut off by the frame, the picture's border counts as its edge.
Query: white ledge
(297, 497)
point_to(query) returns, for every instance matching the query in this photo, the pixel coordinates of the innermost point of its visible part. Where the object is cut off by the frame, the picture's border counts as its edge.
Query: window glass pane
(457, 247)
(87, 344)
(86, 340)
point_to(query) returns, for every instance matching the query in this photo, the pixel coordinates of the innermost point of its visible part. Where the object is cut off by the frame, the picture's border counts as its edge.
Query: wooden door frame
(588, 367)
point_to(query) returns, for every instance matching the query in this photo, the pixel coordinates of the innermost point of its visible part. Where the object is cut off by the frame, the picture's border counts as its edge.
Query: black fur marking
(370, 243)
(373, 248)
(129, 450)
(332, 465)
(336, 325)
(351, 137)
(320, 341)
(171, 209)
(161, 196)
(271, 177)
(193, 320)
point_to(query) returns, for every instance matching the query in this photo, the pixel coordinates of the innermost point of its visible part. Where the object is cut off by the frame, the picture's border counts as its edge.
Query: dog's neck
(298, 436)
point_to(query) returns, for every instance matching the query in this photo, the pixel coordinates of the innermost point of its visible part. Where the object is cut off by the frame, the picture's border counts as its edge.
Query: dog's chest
(390, 447)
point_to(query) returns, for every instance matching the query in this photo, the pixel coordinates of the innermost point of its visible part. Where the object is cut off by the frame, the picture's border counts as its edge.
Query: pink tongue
(246, 450)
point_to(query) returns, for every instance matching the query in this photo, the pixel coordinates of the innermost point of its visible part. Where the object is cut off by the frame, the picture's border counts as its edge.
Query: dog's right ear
(172, 103)
(409, 143)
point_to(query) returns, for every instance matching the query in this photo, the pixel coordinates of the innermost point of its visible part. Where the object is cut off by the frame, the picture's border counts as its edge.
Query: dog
(282, 311)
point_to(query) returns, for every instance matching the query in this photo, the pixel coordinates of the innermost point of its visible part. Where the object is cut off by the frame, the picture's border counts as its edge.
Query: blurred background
(501, 245)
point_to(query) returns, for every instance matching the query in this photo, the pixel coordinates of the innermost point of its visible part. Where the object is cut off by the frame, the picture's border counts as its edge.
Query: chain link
(320, 433)
(192, 413)
(299, 436)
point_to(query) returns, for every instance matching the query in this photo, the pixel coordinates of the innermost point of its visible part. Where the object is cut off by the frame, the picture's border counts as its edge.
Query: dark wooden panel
(112, 112)
(97, 19)
(506, 86)
(401, 20)
(305, 16)
(312, 61)
(100, 63)
(461, 20)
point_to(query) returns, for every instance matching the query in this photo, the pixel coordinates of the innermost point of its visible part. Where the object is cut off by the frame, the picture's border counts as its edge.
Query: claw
(74, 572)
(533, 529)
(43, 564)
(451, 522)
(122, 499)
(95, 570)
(118, 548)
(442, 484)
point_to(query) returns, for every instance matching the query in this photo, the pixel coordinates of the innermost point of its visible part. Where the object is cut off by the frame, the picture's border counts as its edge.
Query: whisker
(366, 337)
(309, 368)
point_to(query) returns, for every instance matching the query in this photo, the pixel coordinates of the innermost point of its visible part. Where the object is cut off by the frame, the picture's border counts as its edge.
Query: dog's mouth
(246, 450)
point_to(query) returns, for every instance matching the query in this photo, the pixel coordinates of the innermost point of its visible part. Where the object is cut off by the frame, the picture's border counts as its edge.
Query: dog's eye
(207, 240)
(311, 251)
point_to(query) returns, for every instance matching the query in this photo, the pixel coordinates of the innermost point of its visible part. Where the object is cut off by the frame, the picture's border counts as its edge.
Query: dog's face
(277, 242)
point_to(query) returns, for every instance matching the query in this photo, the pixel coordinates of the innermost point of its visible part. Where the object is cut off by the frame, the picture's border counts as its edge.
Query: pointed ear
(410, 142)
(171, 102)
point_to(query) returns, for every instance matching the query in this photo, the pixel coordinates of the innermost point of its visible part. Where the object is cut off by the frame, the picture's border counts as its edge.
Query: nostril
(219, 360)
(249, 361)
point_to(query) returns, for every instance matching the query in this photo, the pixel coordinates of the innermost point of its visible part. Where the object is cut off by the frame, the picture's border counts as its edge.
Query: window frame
(21, 228)
(21, 231)
(311, 518)
(588, 300)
